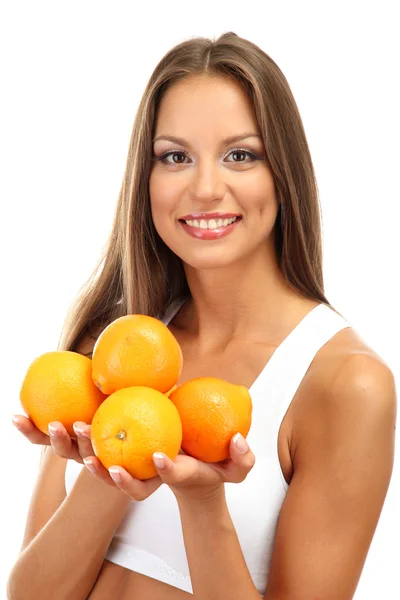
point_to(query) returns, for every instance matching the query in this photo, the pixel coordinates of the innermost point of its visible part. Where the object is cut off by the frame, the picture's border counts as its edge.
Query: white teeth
(211, 223)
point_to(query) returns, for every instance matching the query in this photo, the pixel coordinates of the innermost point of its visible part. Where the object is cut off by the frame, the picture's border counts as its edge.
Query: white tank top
(149, 539)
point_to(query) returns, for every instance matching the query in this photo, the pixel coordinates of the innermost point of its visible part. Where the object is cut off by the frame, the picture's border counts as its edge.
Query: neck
(241, 301)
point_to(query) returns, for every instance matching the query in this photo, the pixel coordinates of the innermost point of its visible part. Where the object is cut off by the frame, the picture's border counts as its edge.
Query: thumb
(164, 465)
(239, 445)
(242, 457)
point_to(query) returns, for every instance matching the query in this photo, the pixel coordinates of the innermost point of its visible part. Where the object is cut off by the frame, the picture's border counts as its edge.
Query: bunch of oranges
(129, 393)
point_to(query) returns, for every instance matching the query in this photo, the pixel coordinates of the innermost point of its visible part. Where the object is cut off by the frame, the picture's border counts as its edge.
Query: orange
(212, 411)
(136, 350)
(58, 386)
(170, 391)
(133, 423)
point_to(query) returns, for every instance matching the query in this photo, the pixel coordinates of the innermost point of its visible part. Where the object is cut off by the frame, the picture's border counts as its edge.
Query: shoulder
(352, 392)
(362, 394)
(365, 375)
(351, 366)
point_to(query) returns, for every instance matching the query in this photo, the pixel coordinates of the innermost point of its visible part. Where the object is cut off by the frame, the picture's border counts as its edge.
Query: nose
(207, 184)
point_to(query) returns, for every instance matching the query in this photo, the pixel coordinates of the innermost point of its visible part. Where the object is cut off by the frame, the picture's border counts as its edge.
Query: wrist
(202, 500)
(209, 513)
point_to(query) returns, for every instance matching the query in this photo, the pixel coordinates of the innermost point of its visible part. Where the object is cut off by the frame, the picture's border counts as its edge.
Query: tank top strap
(295, 357)
(274, 389)
(172, 310)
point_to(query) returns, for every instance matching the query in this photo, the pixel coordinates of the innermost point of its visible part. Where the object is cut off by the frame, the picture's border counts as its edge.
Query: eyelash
(164, 157)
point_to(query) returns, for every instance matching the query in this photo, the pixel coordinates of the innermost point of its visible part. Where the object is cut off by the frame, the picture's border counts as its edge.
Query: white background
(72, 77)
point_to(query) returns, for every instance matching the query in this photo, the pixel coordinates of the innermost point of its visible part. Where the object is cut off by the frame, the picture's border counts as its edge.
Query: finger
(236, 468)
(28, 429)
(62, 444)
(186, 475)
(243, 459)
(134, 488)
(93, 464)
(182, 470)
(83, 439)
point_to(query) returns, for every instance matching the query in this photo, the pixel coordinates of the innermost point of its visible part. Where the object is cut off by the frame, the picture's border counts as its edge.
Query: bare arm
(342, 469)
(64, 559)
(66, 538)
(217, 567)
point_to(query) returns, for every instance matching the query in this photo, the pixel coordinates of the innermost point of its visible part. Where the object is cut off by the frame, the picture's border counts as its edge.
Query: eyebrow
(228, 140)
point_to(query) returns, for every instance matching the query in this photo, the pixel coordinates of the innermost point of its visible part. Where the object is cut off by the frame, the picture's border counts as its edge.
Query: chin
(208, 258)
(209, 264)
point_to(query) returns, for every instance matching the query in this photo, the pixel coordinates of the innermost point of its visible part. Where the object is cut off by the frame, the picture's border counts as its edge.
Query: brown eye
(164, 157)
(240, 151)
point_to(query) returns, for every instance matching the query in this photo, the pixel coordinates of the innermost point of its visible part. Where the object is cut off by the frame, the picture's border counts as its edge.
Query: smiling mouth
(210, 223)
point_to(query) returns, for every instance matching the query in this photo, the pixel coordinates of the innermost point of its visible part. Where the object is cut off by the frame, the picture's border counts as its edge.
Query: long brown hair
(137, 272)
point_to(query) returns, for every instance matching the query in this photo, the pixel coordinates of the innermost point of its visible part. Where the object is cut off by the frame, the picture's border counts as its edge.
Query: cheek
(161, 206)
(160, 222)
(162, 196)
(259, 199)
(257, 189)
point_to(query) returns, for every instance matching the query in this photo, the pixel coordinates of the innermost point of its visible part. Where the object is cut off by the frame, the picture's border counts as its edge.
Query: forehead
(195, 103)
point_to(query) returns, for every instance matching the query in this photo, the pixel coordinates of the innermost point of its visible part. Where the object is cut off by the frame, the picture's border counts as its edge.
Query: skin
(241, 306)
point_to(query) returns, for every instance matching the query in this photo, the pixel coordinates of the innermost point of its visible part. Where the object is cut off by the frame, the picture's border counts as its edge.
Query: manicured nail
(159, 460)
(240, 443)
(115, 474)
(79, 431)
(16, 422)
(54, 431)
(89, 464)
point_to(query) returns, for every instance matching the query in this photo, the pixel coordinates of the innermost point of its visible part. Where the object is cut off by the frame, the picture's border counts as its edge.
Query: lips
(207, 216)
(210, 228)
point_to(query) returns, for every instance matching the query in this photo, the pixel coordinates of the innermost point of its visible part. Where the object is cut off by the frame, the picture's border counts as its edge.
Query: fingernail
(89, 464)
(53, 430)
(159, 460)
(79, 431)
(16, 422)
(240, 443)
(115, 475)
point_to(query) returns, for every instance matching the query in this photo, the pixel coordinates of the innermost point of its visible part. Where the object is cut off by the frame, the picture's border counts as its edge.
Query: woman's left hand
(188, 477)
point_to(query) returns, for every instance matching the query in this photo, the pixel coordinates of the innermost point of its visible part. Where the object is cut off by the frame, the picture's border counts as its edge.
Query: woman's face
(212, 201)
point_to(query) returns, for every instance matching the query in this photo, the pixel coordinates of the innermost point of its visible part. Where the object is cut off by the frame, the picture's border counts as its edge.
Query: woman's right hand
(79, 449)
(63, 445)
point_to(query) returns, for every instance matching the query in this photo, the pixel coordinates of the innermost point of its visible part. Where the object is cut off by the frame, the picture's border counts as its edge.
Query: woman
(217, 232)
